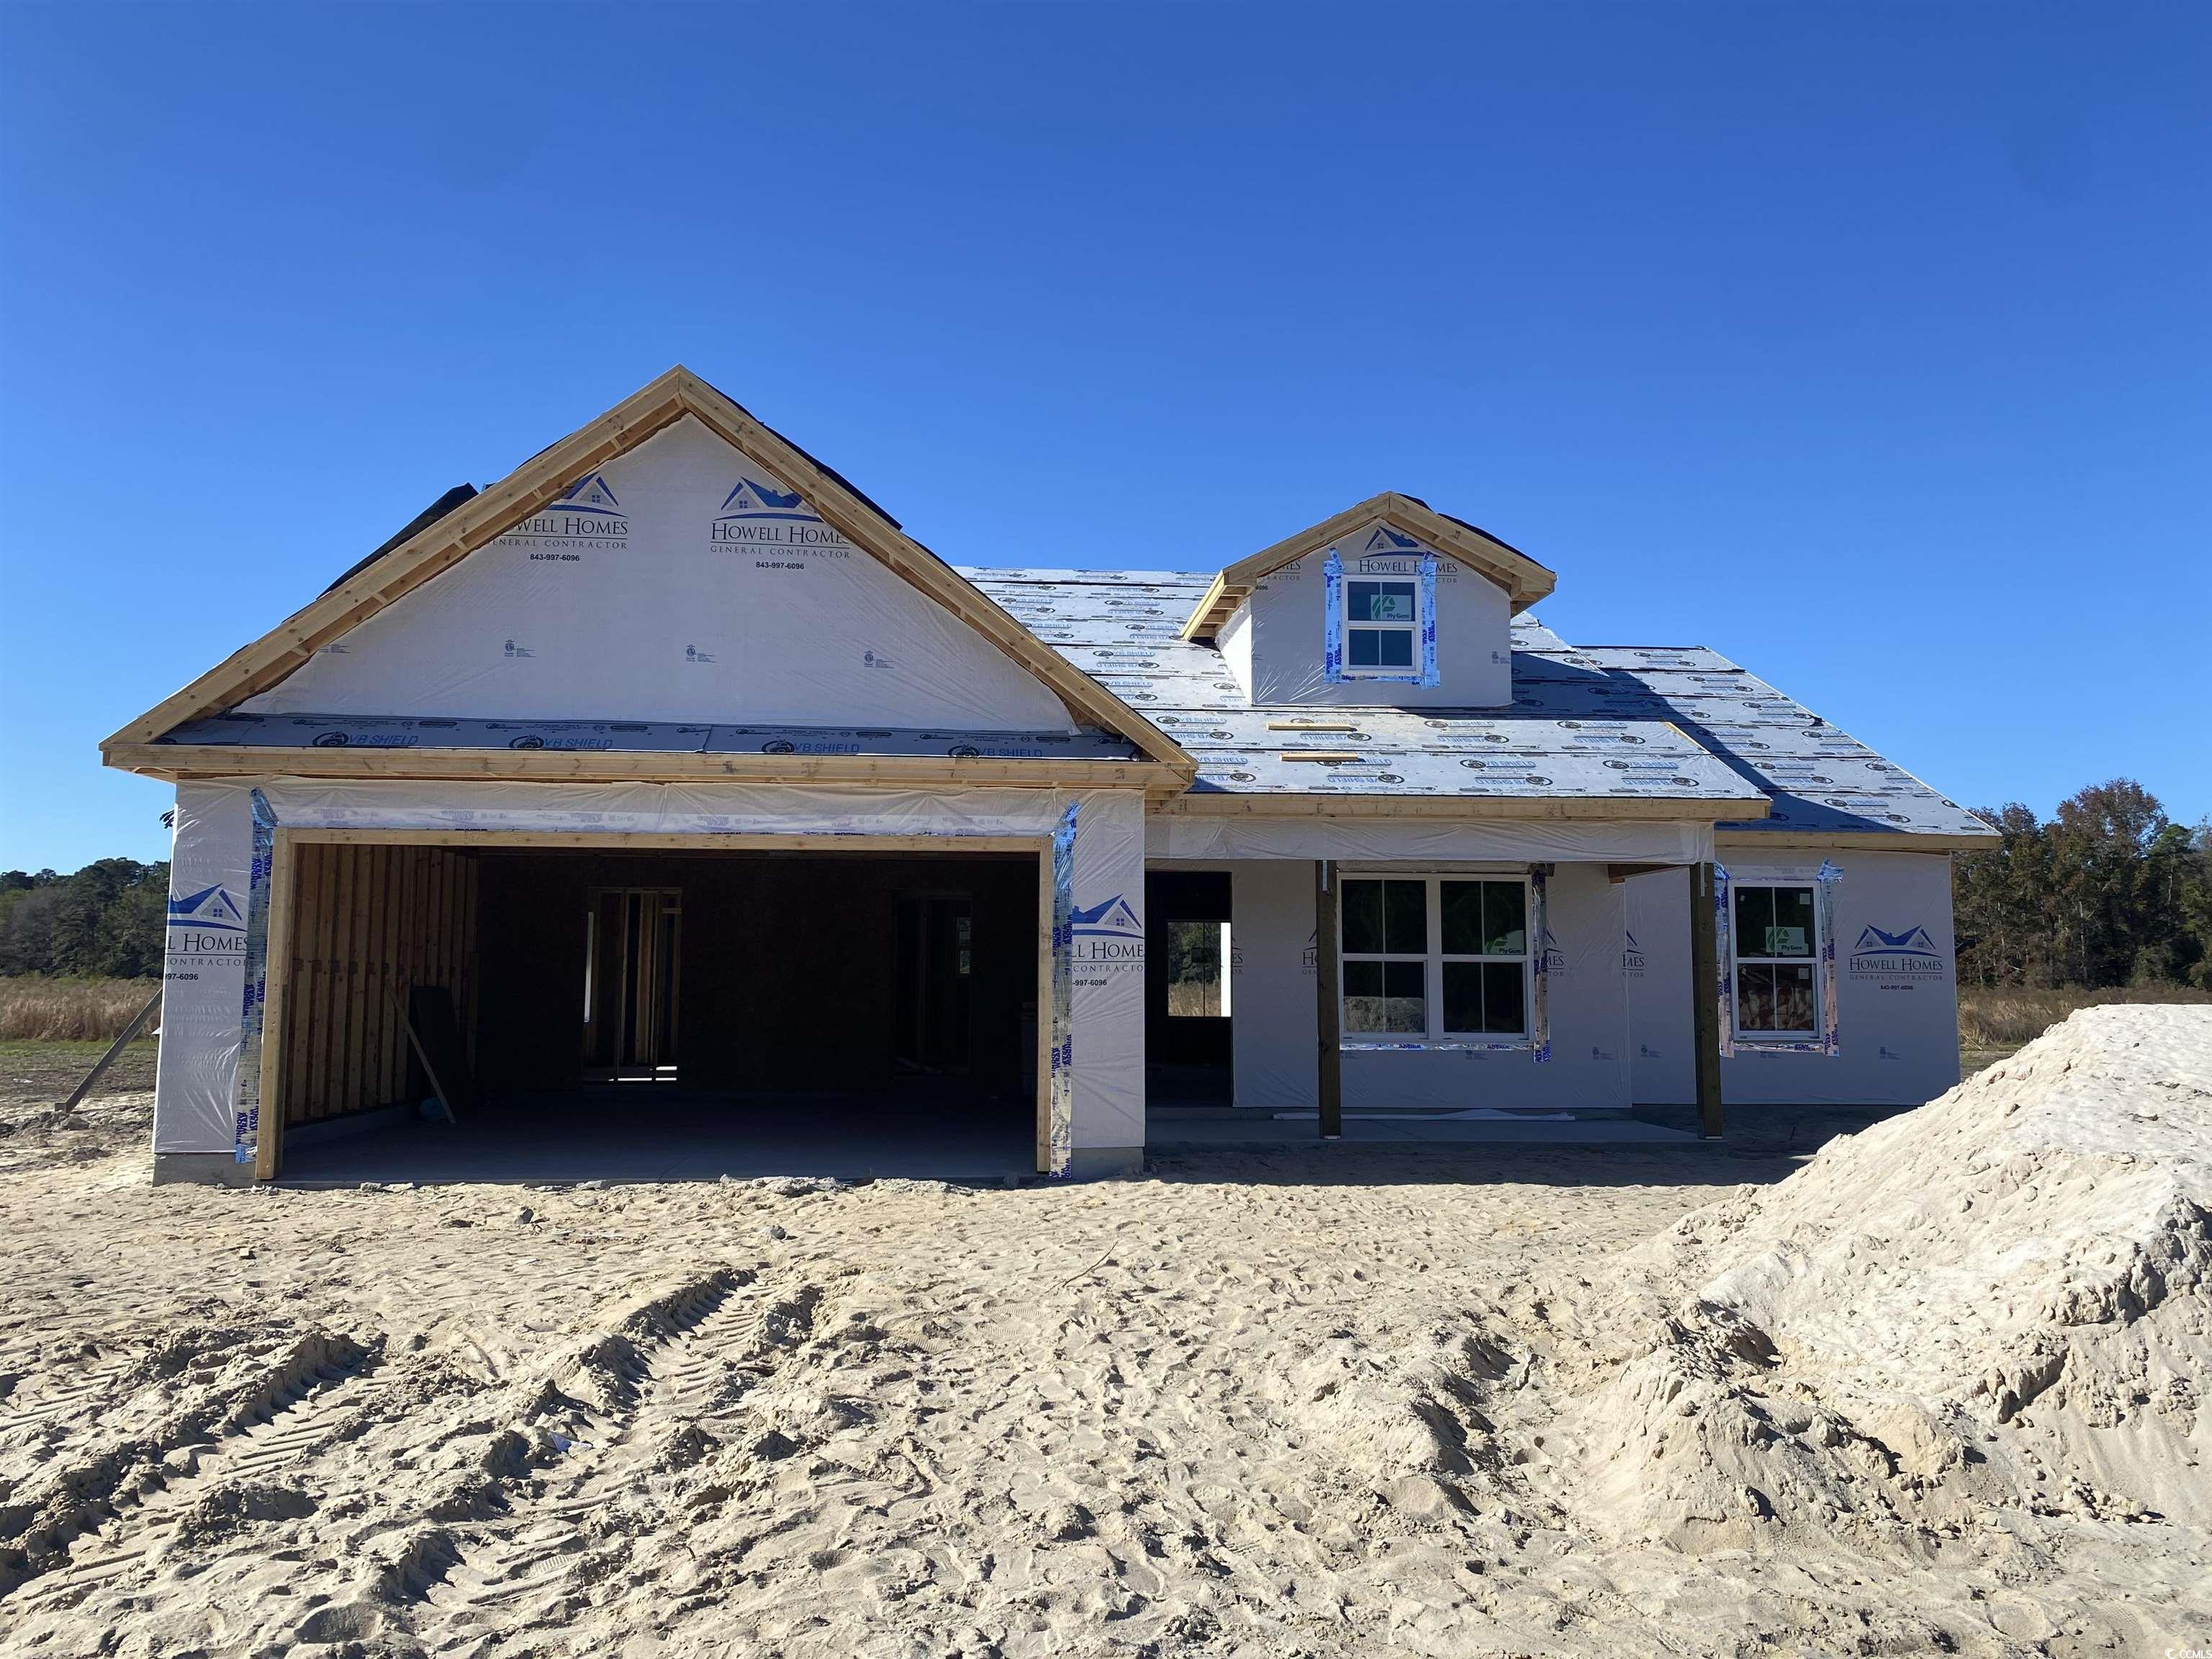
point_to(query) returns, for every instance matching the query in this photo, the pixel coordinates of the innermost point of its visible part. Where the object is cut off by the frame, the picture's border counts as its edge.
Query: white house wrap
(672, 758)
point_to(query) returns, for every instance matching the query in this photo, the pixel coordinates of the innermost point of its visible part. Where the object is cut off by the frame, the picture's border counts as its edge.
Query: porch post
(1327, 1006)
(1705, 998)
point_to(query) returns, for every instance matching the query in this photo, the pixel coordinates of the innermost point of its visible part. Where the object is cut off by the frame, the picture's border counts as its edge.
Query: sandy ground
(1936, 1391)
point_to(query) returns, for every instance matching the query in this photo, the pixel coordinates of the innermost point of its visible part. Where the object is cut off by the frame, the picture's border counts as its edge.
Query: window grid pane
(1504, 1005)
(1391, 943)
(1459, 907)
(1381, 619)
(1775, 947)
(1504, 919)
(1463, 996)
(1362, 917)
(1754, 915)
(1405, 918)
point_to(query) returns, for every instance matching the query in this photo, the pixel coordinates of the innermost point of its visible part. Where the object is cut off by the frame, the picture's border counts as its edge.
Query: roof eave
(211, 763)
(1629, 809)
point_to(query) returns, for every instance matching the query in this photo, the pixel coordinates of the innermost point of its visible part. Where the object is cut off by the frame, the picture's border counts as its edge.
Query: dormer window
(1382, 627)
(1386, 604)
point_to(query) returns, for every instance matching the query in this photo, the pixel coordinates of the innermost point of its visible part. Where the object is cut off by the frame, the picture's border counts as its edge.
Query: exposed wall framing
(368, 924)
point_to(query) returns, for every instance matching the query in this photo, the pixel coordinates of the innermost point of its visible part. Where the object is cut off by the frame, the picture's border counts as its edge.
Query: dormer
(1389, 603)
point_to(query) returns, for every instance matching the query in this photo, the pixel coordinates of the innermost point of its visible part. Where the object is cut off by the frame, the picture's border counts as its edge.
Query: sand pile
(1995, 1304)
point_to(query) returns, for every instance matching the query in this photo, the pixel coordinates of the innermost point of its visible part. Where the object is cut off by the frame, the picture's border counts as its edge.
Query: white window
(1382, 626)
(1776, 939)
(1435, 959)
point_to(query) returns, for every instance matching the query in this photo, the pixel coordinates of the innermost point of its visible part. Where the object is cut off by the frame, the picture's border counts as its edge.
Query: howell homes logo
(207, 926)
(1910, 954)
(1107, 932)
(590, 494)
(1385, 553)
(759, 515)
(750, 498)
(587, 514)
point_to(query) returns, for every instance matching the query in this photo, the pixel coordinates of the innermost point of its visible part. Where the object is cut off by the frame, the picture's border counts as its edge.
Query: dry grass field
(36, 1009)
(1994, 1024)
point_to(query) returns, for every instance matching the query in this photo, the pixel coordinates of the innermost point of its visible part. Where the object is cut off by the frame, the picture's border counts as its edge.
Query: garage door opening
(658, 1014)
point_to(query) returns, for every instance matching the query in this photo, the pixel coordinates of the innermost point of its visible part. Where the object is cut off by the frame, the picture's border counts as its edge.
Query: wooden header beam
(179, 762)
(694, 841)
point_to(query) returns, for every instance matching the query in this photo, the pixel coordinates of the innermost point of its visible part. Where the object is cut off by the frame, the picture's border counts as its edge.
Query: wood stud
(369, 918)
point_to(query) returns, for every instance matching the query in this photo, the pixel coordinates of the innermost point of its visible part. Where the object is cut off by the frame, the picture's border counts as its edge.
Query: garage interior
(604, 1013)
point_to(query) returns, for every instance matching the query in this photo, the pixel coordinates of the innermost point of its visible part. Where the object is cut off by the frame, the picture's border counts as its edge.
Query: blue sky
(1871, 346)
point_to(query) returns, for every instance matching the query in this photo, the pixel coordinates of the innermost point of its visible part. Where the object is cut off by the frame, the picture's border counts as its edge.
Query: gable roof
(1524, 580)
(443, 538)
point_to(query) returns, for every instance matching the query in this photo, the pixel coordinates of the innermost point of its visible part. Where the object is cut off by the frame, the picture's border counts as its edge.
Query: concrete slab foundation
(208, 1168)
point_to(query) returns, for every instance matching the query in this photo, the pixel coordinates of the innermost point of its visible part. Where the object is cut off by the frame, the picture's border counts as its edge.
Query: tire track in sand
(61, 1394)
(517, 1572)
(299, 1411)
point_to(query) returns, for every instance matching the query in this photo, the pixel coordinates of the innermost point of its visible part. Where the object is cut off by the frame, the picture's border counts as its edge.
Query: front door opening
(1189, 975)
(633, 974)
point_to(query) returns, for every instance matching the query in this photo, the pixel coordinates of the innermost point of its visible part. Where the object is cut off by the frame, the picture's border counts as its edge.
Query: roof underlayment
(1617, 721)
(1587, 722)
(1595, 722)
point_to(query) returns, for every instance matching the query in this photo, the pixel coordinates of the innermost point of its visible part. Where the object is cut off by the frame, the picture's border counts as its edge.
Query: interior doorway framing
(269, 1143)
(633, 981)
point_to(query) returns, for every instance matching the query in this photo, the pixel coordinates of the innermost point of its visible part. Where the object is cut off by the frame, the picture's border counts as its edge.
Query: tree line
(2109, 891)
(103, 922)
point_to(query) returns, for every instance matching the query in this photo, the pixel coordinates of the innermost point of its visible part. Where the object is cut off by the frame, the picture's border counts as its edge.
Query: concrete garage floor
(640, 1132)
